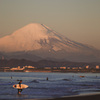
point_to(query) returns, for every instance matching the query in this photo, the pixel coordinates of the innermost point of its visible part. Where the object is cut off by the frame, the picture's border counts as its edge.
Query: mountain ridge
(42, 42)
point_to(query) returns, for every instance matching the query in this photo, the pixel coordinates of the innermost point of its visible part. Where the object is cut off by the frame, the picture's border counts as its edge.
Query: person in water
(20, 90)
(47, 78)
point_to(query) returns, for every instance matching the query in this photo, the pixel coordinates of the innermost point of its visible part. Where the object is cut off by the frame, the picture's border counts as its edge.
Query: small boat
(82, 76)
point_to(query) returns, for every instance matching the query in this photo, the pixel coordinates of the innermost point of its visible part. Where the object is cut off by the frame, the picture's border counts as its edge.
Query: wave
(66, 79)
(9, 83)
(34, 81)
(86, 85)
(42, 88)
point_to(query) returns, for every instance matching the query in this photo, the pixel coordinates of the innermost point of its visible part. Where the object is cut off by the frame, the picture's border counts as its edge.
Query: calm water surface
(58, 84)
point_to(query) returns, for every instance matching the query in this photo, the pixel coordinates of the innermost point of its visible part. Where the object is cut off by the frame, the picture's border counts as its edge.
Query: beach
(80, 97)
(76, 97)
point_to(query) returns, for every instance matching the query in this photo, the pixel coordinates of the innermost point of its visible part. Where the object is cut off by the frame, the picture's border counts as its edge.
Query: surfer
(47, 78)
(11, 77)
(20, 90)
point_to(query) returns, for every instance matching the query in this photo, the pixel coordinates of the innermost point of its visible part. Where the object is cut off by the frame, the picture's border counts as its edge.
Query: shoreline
(91, 96)
(43, 71)
(78, 97)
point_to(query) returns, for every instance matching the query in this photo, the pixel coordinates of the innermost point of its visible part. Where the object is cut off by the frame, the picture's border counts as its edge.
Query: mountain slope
(42, 42)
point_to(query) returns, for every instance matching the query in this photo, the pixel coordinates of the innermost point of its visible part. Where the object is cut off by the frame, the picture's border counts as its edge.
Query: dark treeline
(44, 63)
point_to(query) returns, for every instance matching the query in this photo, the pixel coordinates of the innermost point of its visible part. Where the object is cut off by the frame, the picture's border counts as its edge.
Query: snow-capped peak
(34, 31)
(27, 38)
(40, 40)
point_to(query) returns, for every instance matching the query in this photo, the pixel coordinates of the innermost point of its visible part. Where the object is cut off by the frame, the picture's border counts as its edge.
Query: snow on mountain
(24, 39)
(31, 37)
(41, 41)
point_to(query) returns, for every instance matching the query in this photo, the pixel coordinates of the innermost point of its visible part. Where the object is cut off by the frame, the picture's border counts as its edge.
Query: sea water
(57, 85)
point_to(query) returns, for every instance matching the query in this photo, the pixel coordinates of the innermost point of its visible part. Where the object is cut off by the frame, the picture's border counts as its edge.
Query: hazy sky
(79, 20)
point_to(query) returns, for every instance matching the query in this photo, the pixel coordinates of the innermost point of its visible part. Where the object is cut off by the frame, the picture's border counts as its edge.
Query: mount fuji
(37, 41)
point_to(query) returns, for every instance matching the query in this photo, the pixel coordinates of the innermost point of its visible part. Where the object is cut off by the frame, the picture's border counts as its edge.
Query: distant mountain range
(44, 63)
(37, 42)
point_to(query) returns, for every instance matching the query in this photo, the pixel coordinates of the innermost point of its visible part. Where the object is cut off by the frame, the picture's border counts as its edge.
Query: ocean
(58, 84)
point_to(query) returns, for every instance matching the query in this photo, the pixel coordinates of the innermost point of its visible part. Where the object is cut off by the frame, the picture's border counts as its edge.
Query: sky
(78, 20)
